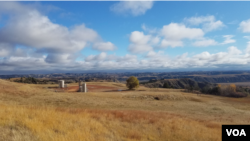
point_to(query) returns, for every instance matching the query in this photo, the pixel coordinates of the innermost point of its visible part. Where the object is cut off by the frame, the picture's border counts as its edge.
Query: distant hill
(199, 76)
(222, 78)
(176, 83)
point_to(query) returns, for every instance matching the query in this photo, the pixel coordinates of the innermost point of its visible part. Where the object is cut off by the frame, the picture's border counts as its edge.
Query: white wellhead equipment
(61, 83)
(84, 87)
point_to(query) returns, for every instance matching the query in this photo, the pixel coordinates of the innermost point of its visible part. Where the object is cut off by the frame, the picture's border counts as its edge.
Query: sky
(124, 36)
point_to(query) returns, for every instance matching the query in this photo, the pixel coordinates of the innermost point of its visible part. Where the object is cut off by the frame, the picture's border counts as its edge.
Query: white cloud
(34, 30)
(248, 48)
(28, 27)
(156, 60)
(152, 54)
(14, 7)
(155, 40)
(139, 37)
(199, 20)
(220, 59)
(228, 39)
(105, 57)
(59, 58)
(127, 58)
(6, 49)
(213, 26)
(175, 31)
(205, 42)
(234, 50)
(135, 8)
(104, 46)
(20, 52)
(139, 48)
(209, 23)
(139, 42)
(102, 56)
(203, 56)
(245, 26)
(171, 43)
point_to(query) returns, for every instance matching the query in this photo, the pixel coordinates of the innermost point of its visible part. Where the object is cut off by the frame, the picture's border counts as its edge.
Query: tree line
(230, 90)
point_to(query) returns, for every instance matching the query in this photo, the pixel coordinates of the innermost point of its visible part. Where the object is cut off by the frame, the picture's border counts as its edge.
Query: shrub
(205, 90)
(189, 88)
(165, 85)
(132, 82)
(232, 88)
(192, 88)
(226, 90)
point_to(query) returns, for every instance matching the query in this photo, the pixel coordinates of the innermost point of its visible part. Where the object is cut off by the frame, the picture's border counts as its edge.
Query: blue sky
(123, 36)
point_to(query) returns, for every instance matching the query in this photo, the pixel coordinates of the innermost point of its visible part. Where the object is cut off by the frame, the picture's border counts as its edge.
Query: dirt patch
(196, 99)
(156, 97)
(99, 88)
(90, 88)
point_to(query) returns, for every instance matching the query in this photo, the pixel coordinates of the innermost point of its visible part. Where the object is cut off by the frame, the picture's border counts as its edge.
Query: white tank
(61, 83)
(84, 87)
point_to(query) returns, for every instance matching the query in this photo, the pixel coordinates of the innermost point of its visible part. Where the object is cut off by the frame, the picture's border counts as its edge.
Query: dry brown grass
(59, 124)
(32, 112)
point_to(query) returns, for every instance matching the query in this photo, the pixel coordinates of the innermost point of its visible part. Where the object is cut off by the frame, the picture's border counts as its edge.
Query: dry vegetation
(237, 83)
(33, 112)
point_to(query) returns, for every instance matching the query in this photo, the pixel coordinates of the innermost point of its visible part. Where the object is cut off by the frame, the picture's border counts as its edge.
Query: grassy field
(36, 112)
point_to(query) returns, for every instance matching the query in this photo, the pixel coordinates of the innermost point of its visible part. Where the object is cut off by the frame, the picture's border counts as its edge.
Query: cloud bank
(30, 41)
(28, 27)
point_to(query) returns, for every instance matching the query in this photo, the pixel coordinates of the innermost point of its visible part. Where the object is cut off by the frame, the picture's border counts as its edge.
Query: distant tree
(33, 80)
(189, 88)
(206, 90)
(219, 89)
(165, 85)
(215, 91)
(196, 87)
(232, 88)
(132, 82)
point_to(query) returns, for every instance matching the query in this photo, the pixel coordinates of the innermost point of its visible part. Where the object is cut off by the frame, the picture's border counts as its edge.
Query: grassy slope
(30, 112)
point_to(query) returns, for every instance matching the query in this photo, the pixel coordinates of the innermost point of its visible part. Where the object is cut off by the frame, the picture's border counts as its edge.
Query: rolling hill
(37, 112)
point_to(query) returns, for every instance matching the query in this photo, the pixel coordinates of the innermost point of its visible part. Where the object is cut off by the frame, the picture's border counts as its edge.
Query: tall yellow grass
(66, 124)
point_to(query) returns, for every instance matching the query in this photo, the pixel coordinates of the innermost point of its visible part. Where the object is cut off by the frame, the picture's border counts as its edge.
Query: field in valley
(110, 112)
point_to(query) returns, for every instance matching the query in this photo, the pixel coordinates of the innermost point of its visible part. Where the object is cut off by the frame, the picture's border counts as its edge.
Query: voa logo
(236, 132)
